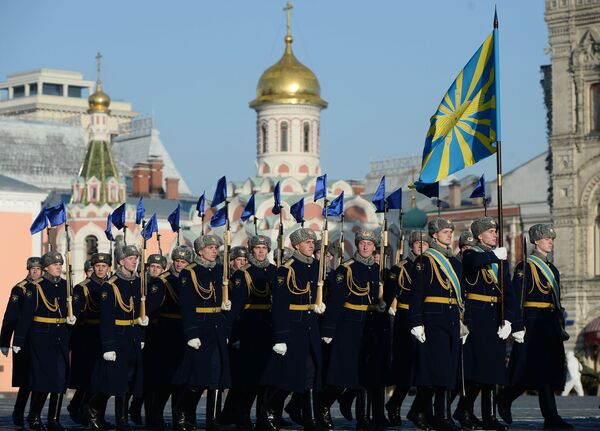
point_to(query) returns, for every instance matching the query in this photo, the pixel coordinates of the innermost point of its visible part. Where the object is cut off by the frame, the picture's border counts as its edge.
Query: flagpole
(125, 234)
(158, 240)
(202, 220)
(225, 293)
(341, 251)
(255, 224)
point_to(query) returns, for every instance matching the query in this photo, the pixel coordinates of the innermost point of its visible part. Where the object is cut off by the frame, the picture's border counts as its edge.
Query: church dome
(99, 101)
(414, 219)
(288, 82)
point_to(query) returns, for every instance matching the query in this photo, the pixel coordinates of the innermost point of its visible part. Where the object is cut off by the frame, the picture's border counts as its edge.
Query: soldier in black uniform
(20, 370)
(538, 356)
(252, 330)
(489, 314)
(397, 290)
(238, 259)
(435, 308)
(119, 373)
(295, 363)
(205, 364)
(43, 328)
(85, 339)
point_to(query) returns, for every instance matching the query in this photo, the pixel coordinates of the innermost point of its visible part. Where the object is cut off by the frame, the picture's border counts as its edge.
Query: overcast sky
(383, 67)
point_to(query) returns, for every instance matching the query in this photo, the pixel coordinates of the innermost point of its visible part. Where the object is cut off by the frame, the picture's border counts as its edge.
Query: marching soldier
(485, 350)
(86, 349)
(398, 286)
(43, 328)
(352, 299)
(119, 373)
(205, 364)
(251, 309)
(295, 363)
(435, 307)
(538, 356)
(20, 369)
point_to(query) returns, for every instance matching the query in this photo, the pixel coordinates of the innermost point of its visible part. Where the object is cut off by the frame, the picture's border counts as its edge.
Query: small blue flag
(379, 197)
(394, 200)
(297, 210)
(40, 223)
(219, 218)
(277, 199)
(249, 209)
(57, 214)
(429, 190)
(150, 228)
(336, 207)
(108, 230)
(220, 192)
(174, 218)
(479, 190)
(140, 211)
(118, 216)
(321, 187)
(201, 204)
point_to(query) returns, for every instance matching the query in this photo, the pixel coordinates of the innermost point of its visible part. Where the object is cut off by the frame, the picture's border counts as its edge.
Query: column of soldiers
(452, 319)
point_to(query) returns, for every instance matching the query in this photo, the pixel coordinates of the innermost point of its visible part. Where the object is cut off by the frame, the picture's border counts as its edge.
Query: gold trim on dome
(99, 100)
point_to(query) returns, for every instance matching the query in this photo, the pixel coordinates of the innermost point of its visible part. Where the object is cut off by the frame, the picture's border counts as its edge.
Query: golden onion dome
(288, 82)
(99, 101)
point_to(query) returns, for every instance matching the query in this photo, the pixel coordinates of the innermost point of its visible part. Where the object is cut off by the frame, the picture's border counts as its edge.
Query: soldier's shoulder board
(23, 285)
(85, 282)
(245, 267)
(112, 279)
(190, 266)
(288, 263)
(164, 275)
(348, 262)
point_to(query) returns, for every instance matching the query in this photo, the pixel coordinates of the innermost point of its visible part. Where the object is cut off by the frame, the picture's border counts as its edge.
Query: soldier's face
(443, 237)
(489, 237)
(260, 252)
(210, 253)
(179, 264)
(154, 269)
(101, 269)
(545, 245)
(366, 248)
(238, 262)
(35, 272)
(419, 247)
(129, 263)
(54, 269)
(89, 272)
(307, 248)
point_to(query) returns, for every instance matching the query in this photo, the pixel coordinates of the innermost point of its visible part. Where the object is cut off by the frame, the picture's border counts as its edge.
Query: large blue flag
(336, 207)
(118, 216)
(321, 187)
(201, 205)
(150, 228)
(219, 218)
(479, 190)
(108, 230)
(40, 223)
(466, 125)
(378, 198)
(57, 214)
(394, 200)
(174, 218)
(140, 211)
(297, 210)
(249, 209)
(277, 199)
(220, 192)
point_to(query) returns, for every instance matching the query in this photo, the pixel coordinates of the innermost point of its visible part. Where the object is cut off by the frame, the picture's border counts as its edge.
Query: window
(33, 89)
(74, 91)
(91, 246)
(284, 136)
(52, 89)
(3, 93)
(306, 137)
(264, 138)
(595, 96)
(19, 91)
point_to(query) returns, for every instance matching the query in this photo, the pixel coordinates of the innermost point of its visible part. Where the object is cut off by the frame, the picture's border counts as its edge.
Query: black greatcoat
(436, 362)
(300, 368)
(350, 302)
(484, 351)
(120, 332)
(20, 370)
(251, 303)
(540, 360)
(200, 289)
(48, 343)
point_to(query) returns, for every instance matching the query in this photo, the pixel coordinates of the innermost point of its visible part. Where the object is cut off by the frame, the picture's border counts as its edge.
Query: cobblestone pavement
(582, 412)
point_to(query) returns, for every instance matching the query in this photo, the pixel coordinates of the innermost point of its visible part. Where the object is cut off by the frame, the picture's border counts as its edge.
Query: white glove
(226, 305)
(5, 350)
(381, 306)
(110, 356)
(142, 344)
(419, 333)
(71, 320)
(320, 309)
(392, 311)
(519, 336)
(501, 253)
(236, 344)
(505, 330)
(280, 348)
(194, 343)
(326, 340)
(464, 332)
(16, 349)
(144, 321)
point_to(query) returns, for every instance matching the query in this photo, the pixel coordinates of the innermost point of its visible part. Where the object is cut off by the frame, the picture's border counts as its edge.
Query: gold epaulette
(23, 285)
(112, 279)
(401, 263)
(245, 267)
(348, 262)
(288, 263)
(164, 275)
(190, 266)
(85, 282)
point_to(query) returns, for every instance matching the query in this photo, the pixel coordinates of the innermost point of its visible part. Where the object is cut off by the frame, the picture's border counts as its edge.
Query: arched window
(306, 137)
(264, 138)
(284, 136)
(595, 102)
(91, 246)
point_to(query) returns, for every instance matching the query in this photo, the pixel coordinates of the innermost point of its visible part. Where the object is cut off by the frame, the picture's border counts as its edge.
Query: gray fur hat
(259, 240)
(238, 251)
(418, 235)
(466, 238)
(540, 231)
(51, 257)
(331, 248)
(33, 262)
(183, 252)
(158, 259)
(366, 235)
(302, 234)
(482, 224)
(437, 224)
(126, 251)
(206, 240)
(87, 265)
(101, 258)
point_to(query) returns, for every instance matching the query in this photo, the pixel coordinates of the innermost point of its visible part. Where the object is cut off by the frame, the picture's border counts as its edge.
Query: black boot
(212, 396)
(156, 409)
(393, 406)
(96, 411)
(267, 416)
(464, 410)
(38, 399)
(192, 407)
(360, 409)
(326, 399)
(294, 408)
(281, 421)
(54, 408)
(180, 405)
(345, 401)
(552, 420)
(19, 409)
(442, 411)
(121, 422)
(135, 410)
(504, 402)
(488, 410)
(419, 410)
(377, 396)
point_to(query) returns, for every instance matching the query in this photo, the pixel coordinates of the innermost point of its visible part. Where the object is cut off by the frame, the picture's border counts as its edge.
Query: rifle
(69, 274)
(280, 241)
(341, 250)
(523, 257)
(400, 251)
(158, 240)
(382, 248)
(322, 266)
(143, 277)
(225, 298)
